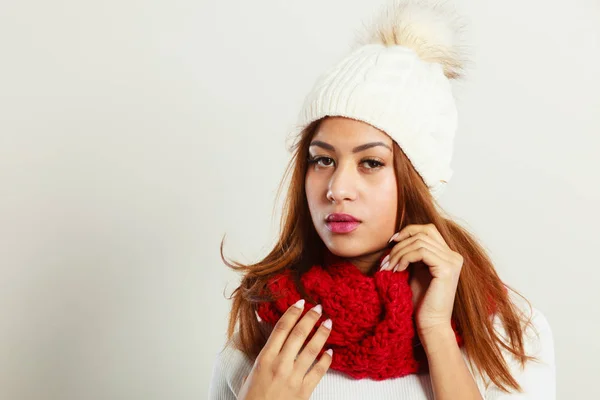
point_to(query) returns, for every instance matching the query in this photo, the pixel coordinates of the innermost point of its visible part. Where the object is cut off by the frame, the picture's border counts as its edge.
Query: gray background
(134, 134)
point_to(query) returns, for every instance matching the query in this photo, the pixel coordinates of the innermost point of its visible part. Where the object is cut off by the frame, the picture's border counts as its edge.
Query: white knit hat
(397, 79)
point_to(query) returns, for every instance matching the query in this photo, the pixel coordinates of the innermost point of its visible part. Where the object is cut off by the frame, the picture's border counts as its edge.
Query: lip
(342, 227)
(341, 223)
(341, 217)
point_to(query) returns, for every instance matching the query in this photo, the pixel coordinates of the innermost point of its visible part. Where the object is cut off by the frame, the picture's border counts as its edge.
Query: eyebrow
(357, 149)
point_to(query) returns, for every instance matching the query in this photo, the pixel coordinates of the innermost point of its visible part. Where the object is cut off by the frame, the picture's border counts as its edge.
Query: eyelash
(315, 160)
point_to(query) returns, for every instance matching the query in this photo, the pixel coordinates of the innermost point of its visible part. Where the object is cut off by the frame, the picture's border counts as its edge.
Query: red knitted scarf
(373, 334)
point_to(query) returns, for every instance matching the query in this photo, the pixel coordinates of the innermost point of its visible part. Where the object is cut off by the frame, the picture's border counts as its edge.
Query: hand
(279, 372)
(435, 276)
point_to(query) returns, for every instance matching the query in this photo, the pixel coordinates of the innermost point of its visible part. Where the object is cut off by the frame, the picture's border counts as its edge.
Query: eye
(370, 162)
(374, 163)
(316, 160)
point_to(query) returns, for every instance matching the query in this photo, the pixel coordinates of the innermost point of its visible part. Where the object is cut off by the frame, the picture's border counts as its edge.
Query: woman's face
(352, 172)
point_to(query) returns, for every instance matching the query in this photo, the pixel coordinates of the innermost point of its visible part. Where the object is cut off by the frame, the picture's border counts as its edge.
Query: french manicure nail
(385, 259)
(327, 324)
(330, 352)
(393, 237)
(385, 265)
(318, 308)
(299, 304)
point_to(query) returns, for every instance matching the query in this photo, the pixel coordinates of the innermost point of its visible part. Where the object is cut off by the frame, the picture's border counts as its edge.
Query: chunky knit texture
(373, 334)
(538, 379)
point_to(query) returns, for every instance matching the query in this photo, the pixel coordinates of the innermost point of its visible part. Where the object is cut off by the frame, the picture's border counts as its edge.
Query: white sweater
(538, 379)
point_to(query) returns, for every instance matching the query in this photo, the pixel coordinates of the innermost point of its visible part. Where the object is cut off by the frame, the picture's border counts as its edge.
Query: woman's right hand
(279, 372)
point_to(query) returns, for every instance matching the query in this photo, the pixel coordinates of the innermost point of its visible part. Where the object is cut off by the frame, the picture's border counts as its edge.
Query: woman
(371, 292)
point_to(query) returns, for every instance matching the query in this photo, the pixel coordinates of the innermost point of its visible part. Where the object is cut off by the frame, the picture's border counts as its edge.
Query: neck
(368, 263)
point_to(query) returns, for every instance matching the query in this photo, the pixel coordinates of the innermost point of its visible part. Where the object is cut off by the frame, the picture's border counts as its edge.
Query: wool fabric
(537, 379)
(373, 334)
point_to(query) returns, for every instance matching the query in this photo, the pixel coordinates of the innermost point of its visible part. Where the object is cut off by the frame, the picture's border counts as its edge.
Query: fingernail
(299, 304)
(393, 236)
(330, 352)
(385, 259)
(327, 324)
(385, 265)
(318, 308)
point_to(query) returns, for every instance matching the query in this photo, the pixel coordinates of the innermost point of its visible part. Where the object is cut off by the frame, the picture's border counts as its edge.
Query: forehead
(340, 131)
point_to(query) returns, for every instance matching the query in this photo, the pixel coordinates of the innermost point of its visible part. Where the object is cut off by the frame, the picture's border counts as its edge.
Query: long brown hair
(299, 246)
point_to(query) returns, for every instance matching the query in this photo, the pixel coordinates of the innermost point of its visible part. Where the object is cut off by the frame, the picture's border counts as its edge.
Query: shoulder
(540, 337)
(230, 366)
(537, 377)
(537, 332)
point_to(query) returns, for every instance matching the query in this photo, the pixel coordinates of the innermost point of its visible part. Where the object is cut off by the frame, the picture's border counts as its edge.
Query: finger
(412, 230)
(407, 231)
(312, 379)
(412, 243)
(421, 236)
(312, 349)
(298, 335)
(417, 248)
(422, 254)
(400, 236)
(435, 233)
(281, 331)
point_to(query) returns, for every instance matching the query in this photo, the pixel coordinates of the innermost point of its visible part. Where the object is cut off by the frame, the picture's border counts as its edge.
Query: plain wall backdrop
(135, 134)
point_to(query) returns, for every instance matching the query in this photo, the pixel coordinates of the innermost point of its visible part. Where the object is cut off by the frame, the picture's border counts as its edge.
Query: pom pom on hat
(430, 28)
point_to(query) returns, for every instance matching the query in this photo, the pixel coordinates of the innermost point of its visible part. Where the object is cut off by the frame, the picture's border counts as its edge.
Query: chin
(342, 247)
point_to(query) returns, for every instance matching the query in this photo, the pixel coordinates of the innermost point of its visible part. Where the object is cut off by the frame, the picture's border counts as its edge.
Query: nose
(342, 184)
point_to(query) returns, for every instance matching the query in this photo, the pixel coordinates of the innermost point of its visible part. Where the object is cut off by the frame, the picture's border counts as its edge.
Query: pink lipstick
(341, 223)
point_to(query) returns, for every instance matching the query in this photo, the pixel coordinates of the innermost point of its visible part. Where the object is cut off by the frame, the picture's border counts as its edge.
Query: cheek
(311, 187)
(386, 204)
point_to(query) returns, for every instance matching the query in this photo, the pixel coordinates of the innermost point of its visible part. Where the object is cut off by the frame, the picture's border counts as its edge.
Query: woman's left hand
(435, 277)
